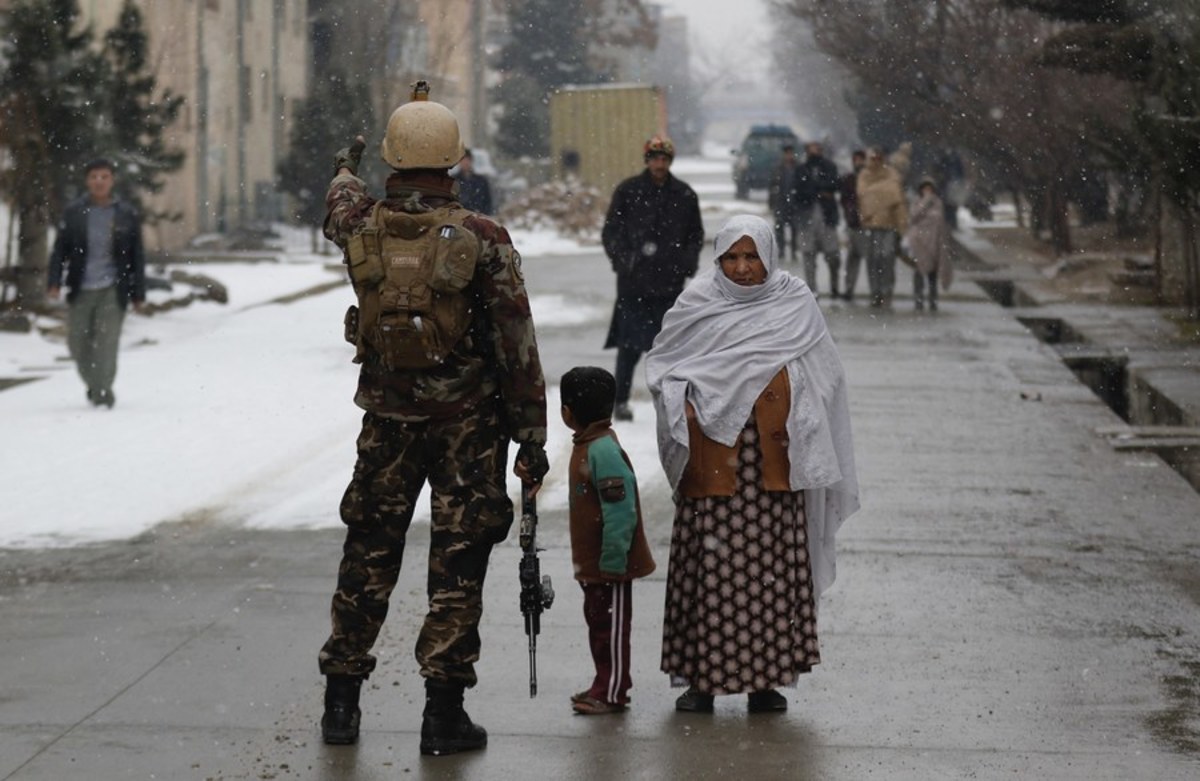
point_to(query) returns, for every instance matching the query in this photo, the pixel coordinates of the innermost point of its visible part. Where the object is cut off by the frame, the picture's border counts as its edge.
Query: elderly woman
(928, 240)
(754, 435)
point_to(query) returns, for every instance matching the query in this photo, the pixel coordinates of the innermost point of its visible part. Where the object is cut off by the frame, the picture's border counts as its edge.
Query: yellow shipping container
(598, 131)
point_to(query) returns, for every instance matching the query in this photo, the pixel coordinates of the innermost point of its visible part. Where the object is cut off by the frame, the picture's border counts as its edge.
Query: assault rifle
(537, 594)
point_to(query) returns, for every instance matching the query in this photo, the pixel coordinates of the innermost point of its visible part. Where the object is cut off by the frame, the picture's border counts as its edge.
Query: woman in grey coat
(927, 240)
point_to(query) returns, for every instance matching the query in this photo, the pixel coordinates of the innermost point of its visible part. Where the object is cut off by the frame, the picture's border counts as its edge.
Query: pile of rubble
(569, 207)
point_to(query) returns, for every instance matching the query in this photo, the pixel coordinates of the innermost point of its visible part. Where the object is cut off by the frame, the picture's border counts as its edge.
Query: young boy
(608, 543)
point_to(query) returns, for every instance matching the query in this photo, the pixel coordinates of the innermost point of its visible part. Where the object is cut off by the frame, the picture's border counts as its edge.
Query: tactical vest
(410, 272)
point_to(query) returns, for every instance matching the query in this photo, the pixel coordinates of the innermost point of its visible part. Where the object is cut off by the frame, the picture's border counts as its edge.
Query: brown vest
(712, 467)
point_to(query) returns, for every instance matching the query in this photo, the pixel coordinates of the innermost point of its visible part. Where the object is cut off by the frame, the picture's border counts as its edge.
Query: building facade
(241, 65)
(392, 43)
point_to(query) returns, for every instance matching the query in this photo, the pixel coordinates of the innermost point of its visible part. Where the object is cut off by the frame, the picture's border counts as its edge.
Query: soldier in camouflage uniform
(450, 425)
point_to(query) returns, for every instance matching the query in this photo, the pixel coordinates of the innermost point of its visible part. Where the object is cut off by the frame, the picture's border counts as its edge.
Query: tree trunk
(1159, 292)
(1019, 207)
(1037, 209)
(32, 255)
(1191, 263)
(1058, 216)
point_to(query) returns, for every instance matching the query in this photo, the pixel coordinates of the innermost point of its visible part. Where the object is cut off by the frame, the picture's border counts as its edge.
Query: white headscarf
(721, 344)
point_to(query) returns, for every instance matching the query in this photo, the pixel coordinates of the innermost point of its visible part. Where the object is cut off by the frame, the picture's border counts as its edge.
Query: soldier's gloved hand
(532, 463)
(350, 157)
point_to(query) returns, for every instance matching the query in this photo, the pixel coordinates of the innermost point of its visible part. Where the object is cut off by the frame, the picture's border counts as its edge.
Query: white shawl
(719, 347)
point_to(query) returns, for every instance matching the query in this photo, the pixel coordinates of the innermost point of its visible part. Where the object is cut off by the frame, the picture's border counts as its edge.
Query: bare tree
(966, 74)
(1155, 48)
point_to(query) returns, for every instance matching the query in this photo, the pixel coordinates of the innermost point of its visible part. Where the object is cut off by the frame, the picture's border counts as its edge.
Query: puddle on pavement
(1176, 724)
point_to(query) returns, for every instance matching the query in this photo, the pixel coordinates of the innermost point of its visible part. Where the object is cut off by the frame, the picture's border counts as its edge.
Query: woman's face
(742, 265)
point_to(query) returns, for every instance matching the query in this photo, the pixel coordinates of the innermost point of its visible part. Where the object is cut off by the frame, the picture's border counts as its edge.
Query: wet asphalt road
(1014, 600)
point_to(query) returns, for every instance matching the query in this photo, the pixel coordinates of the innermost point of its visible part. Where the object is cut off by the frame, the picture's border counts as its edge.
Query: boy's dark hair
(589, 393)
(99, 162)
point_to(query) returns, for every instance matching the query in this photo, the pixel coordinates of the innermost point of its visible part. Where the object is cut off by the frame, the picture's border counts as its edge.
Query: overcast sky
(728, 27)
(716, 19)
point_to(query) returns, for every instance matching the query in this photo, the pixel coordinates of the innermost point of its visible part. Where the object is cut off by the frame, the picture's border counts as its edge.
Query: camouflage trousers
(464, 459)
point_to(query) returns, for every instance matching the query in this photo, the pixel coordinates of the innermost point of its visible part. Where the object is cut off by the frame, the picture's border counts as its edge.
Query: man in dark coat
(99, 249)
(653, 236)
(474, 190)
(819, 184)
(781, 198)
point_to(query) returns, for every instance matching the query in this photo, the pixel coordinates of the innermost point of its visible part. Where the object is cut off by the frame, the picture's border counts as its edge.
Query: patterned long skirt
(740, 613)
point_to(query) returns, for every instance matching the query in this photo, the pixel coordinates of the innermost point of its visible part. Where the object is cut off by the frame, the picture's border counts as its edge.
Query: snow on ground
(707, 189)
(689, 166)
(536, 243)
(237, 413)
(1004, 215)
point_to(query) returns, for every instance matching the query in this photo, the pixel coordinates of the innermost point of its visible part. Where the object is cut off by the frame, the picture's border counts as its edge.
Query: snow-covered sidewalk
(237, 413)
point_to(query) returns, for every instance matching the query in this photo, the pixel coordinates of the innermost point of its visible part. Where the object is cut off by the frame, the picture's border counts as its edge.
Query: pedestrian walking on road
(447, 381)
(818, 224)
(608, 539)
(856, 235)
(782, 199)
(754, 436)
(884, 215)
(99, 251)
(928, 241)
(652, 235)
(474, 190)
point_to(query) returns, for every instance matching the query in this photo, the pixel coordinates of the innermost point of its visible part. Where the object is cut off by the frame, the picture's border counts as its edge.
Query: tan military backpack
(411, 272)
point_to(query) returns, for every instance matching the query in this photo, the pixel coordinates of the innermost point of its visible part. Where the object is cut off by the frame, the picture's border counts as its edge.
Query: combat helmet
(422, 134)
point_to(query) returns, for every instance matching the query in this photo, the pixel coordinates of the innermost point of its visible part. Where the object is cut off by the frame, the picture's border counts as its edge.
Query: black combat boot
(446, 728)
(339, 725)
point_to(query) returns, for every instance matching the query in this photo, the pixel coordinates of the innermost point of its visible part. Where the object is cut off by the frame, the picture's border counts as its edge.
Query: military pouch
(410, 341)
(454, 253)
(364, 259)
(350, 325)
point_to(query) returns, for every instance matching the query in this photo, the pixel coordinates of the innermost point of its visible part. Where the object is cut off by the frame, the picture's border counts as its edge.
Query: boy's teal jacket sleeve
(616, 486)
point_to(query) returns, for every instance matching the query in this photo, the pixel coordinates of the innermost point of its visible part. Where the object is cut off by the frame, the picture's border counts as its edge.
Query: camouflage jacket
(499, 355)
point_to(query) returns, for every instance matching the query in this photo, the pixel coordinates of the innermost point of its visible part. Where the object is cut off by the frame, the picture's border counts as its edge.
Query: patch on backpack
(404, 261)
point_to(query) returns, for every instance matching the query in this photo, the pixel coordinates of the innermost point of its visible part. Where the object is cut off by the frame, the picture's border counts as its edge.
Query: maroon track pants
(607, 609)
